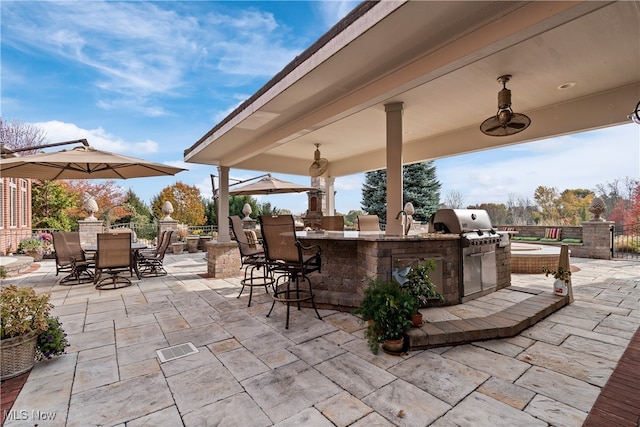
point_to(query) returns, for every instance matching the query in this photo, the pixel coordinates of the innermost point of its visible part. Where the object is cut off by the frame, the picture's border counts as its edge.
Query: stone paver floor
(251, 371)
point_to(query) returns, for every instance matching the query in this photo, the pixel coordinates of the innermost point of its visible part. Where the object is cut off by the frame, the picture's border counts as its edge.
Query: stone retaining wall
(595, 236)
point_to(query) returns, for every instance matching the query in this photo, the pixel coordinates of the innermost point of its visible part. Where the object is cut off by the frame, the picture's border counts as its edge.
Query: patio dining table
(135, 250)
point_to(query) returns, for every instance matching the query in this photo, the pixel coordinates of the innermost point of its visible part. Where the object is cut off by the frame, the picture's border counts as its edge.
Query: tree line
(59, 204)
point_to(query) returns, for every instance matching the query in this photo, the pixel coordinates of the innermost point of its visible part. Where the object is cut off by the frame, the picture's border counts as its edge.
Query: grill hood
(459, 221)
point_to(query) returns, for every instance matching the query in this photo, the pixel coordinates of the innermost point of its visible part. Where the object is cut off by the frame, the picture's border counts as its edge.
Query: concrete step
(15, 264)
(506, 323)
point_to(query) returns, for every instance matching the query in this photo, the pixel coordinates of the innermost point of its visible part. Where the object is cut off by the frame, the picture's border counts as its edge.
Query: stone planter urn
(202, 241)
(37, 256)
(177, 247)
(192, 243)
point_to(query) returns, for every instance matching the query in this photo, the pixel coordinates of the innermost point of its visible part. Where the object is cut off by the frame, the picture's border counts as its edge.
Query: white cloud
(575, 161)
(351, 182)
(57, 131)
(140, 50)
(334, 10)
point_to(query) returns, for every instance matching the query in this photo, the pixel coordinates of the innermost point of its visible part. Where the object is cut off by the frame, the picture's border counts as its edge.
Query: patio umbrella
(82, 163)
(270, 185)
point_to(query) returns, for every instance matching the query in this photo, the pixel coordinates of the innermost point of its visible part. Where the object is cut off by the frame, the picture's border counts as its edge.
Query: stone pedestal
(223, 259)
(596, 239)
(249, 224)
(169, 225)
(89, 230)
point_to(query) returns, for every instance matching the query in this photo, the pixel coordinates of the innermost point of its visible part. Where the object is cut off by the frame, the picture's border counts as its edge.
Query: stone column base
(223, 259)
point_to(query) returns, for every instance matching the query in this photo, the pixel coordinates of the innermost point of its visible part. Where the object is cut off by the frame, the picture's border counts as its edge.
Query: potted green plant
(32, 247)
(562, 276)
(23, 316)
(419, 286)
(373, 300)
(388, 309)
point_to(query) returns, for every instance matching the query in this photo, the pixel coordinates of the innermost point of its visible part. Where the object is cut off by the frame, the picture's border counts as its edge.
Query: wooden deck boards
(619, 401)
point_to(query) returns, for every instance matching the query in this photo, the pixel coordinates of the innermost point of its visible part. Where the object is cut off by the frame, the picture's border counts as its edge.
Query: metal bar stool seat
(252, 259)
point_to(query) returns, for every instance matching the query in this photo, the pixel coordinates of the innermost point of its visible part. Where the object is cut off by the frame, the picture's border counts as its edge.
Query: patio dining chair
(333, 223)
(290, 260)
(150, 263)
(71, 258)
(252, 258)
(368, 223)
(113, 258)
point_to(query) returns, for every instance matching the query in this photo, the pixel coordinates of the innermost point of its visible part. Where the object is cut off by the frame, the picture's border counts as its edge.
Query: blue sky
(149, 78)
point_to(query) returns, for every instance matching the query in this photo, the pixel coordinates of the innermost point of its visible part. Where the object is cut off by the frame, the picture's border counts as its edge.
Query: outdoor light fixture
(635, 114)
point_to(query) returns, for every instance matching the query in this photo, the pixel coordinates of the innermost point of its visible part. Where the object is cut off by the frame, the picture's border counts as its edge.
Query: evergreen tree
(210, 211)
(140, 212)
(266, 209)
(374, 194)
(420, 187)
(236, 203)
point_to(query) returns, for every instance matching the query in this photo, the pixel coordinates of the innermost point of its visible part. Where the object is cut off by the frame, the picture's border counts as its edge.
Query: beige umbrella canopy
(270, 185)
(83, 162)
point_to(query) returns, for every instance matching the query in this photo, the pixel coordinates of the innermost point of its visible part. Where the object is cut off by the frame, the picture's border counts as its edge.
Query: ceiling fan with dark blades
(505, 122)
(319, 165)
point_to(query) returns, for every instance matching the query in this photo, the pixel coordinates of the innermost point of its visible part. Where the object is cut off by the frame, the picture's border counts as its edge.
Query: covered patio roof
(575, 67)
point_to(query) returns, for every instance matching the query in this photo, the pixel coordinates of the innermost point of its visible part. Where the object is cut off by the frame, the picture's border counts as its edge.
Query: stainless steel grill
(473, 226)
(478, 241)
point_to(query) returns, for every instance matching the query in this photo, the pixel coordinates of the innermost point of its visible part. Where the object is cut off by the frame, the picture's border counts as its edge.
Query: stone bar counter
(349, 258)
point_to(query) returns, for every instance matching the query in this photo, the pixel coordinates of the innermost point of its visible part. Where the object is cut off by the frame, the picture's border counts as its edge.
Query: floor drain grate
(176, 352)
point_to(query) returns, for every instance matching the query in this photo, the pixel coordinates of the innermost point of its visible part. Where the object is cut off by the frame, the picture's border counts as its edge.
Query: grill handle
(481, 253)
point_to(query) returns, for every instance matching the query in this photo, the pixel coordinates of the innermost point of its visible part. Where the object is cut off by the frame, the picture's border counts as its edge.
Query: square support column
(223, 259)
(394, 168)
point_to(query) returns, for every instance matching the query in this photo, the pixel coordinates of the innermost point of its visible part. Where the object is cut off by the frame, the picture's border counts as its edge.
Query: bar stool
(291, 260)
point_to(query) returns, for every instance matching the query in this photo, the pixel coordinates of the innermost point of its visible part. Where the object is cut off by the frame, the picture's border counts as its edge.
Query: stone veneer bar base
(503, 324)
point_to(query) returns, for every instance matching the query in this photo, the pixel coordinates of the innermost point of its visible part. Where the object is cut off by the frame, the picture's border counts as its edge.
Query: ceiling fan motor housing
(504, 99)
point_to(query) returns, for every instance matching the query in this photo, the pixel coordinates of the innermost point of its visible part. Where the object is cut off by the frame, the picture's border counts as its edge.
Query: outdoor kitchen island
(350, 257)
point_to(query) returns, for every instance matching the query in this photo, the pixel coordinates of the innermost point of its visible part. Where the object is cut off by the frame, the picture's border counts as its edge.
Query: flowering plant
(22, 311)
(560, 273)
(31, 245)
(52, 341)
(183, 231)
(47, 242)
